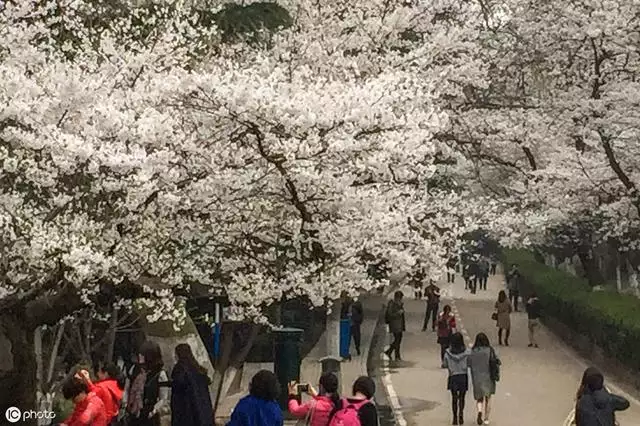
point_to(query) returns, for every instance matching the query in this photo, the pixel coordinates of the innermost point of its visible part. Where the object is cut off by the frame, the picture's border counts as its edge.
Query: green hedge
(611, 320)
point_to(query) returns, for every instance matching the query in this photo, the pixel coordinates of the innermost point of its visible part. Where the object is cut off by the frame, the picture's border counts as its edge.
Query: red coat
(88, 412)
(446, 332)
(110, 394)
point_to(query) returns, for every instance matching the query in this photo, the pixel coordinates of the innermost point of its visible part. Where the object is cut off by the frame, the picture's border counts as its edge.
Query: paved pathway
(537, 386)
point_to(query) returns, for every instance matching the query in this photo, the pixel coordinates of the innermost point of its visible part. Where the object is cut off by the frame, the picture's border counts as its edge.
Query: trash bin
(345, 338)
(286, 359)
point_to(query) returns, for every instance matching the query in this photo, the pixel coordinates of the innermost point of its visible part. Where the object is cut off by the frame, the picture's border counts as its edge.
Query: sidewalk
(310, 367)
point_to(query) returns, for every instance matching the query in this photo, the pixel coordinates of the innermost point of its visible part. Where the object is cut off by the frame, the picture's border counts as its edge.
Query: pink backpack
(348, 414)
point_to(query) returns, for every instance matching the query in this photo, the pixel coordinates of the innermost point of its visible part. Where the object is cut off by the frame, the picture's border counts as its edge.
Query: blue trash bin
(345, 337)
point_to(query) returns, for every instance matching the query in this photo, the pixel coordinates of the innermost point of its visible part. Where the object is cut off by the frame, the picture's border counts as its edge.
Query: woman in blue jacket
(260, 407)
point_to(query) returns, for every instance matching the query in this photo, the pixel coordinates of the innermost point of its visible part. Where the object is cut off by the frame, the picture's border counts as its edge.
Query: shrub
(610, 320)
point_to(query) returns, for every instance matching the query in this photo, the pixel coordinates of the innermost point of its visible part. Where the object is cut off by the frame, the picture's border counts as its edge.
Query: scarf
(137, 393)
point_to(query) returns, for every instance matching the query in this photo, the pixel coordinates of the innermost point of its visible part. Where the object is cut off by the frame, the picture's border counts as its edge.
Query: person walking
(88, 407)
(474, 272)
(358, 409)
(451, 270)
(190, 397)
(494, 264)
(483, 273)
(322, 403)
(503, 317)
(513, 285)
(433, 302)
(455, 359)
(595, 406)
(148, 396)
(466, 275)
(397, 325)
(260, 407)
(417, 279)
(446, 327)
(109, 388)
(485, 372)
(534, 312)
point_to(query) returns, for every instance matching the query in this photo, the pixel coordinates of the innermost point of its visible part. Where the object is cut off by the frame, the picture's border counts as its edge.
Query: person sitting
(322, 404)
(260, 407)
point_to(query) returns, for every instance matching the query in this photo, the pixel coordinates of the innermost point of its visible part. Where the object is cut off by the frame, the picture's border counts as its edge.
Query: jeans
(432, 312)
(514, 295)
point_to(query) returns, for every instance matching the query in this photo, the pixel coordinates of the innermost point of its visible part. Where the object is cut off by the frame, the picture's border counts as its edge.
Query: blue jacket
(252, 411)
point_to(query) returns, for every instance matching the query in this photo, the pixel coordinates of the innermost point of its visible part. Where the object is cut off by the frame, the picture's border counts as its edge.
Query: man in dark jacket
(513, 285)
(596, 406)
(433, 301)
(394, 316)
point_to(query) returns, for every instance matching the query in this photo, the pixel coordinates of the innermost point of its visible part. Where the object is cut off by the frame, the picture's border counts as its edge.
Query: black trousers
(443, 348)
(357, 336)
(451, 277)
(432, 312)
(457, 403)
(513, 297)
(493, 269)
(395, 345)
(483, 282)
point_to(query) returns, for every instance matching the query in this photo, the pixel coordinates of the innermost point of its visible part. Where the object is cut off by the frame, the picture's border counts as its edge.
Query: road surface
(537, 386)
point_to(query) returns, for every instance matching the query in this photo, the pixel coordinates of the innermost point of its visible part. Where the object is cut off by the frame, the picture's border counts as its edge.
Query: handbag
(494, 366)
(307, 419)
(494, 316)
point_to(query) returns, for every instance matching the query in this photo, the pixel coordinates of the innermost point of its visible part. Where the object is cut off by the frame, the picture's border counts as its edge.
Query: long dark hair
(502, 296)
(482, 341)
(446, 309)
(457, 344)
(184, 354)
(592, 380)
(329, 383)
(152, 356)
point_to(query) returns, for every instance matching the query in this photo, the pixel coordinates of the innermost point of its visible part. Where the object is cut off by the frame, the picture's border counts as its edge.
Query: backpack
(443, 324)
(348, 414)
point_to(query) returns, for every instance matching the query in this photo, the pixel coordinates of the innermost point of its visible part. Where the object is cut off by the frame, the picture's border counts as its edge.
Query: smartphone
(303, 388)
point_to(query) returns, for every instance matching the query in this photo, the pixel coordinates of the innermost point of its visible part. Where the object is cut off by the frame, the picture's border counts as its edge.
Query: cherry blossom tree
(145, 152)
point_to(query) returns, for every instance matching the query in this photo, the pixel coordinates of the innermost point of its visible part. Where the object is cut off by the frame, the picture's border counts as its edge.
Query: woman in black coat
(190, 398)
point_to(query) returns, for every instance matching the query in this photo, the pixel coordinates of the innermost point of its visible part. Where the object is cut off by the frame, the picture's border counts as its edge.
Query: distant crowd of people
(595, 406)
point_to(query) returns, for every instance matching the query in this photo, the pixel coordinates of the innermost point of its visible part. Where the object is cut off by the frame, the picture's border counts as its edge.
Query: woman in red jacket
(107, 388)
(89, 409)
(446, 327)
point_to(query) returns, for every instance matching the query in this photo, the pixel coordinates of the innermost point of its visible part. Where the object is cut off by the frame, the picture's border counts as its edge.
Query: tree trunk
(113, 326)
(18, 388)
(590, 267)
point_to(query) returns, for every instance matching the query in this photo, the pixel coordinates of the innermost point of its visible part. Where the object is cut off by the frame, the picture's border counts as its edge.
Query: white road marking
(391, 392)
